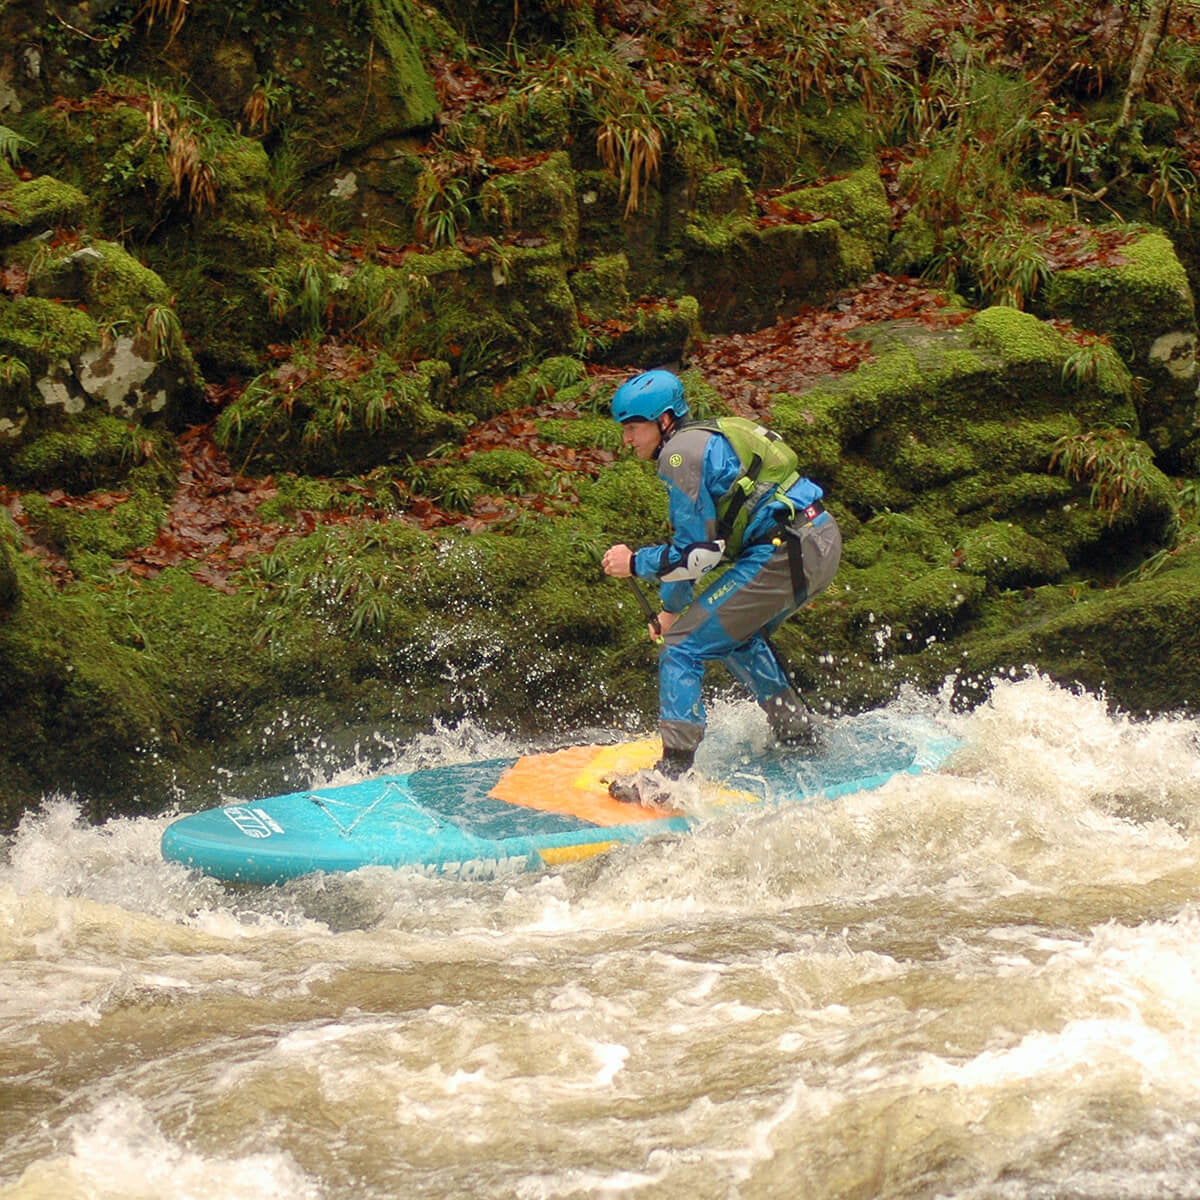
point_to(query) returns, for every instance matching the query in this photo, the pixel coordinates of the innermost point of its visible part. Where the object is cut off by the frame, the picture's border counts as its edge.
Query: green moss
(912, 246)
(898, 535)
(83, 705)
(1008, 556)
(858, 202)
(541, 199)
(923, 465)
(522, 123)
(904, 613)
(40, 205)
(720, 234)
(508, 470)
(582, 432)
(1149, 292)
(560, 377)
(302, 493)
(724, 193)
(42, 333)
(1018, 337)
(91, 539)
(627, 499)
(96, 450)
(112, 156)
(1070, 636)
(407, 82)
(335, 417)
(120, 284)
(601, 287)
(10, 588)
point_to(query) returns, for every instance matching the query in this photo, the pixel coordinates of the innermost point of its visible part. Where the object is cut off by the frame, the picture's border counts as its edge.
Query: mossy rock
(601, 287)
(1136, 302)
(93, 540)
(540, 201)
(104, 277)
(1137, 644)
(44, 337)
(858, 202)
(39, 206)
(900, 613)
(82, 704)
(337, 416)
(745, 277)
(1146, 306)
(1008, 556)
(583, 432)
(560, 377)
(520, 124)
(112, 157)
(912, 246)
(97, 450)
(913, 536)
(511, 305)
(649, 334)
(10, 589)
(724, 192)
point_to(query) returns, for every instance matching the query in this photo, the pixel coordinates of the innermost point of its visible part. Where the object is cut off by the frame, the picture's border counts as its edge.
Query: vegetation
(309, 316)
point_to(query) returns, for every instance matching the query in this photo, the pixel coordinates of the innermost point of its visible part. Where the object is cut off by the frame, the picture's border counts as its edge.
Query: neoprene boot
(675, 762)
(791, 722)
(651, 788)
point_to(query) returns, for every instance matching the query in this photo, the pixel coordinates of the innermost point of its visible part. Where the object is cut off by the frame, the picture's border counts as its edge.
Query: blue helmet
(647, 396)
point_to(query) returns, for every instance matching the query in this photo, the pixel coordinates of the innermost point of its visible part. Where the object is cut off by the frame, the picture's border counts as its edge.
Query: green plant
(11, 143)
(268, 104)
(14, 374)
(163, 329)
(1083, 365)
(1114, 462)
(1169, 181)
(442, 205)
(299, 291)
(1009, 263)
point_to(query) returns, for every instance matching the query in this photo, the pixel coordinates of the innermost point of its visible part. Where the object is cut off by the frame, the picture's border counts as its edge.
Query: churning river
(983, 982)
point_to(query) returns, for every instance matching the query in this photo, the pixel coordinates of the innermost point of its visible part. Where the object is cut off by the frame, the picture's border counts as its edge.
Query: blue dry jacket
(699, 467)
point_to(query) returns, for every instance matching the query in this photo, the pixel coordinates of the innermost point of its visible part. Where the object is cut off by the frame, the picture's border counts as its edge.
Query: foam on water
(981, 982)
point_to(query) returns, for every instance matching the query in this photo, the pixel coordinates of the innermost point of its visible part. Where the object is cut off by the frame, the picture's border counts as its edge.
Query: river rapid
(983, 982)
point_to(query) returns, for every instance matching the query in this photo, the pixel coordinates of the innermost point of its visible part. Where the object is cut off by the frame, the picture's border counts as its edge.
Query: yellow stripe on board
(554, 856)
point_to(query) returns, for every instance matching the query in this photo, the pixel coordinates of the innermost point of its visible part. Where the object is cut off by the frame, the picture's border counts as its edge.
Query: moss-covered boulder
(961, 468)
(858, 202)
(330, 409)
(1137, 643)
(746, 275)
(10, 591)
(1147, 308)
(97, 330)
(94, 450)
(80, 702)
(537, 202)
(37, 207)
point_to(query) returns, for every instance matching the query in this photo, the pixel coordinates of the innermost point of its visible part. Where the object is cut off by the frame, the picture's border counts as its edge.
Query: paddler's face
(642, 437)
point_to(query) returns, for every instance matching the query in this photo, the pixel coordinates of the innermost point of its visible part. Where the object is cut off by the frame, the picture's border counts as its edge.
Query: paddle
(643, 603)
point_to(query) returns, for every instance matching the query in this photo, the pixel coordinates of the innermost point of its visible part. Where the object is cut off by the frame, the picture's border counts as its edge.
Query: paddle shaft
(640, 596)
(647, 608)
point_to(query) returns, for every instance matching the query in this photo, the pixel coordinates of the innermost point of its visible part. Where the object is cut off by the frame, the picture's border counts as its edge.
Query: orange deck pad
(575, 782)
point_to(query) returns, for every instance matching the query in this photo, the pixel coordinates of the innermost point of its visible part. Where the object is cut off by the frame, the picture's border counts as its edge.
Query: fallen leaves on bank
(214, 524)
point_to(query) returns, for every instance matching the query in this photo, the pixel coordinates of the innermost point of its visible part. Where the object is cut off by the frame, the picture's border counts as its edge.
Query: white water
(979, 983)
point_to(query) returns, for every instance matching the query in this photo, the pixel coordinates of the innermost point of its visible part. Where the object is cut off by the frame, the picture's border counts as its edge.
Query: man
(738, 506)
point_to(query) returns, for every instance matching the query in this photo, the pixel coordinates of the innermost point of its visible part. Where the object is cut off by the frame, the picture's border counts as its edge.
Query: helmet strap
(664, 432)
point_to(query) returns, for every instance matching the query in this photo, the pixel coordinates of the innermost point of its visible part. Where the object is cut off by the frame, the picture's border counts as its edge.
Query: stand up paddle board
(482, 819)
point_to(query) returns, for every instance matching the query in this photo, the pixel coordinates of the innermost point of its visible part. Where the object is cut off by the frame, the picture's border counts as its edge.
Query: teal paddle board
(482, 819)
